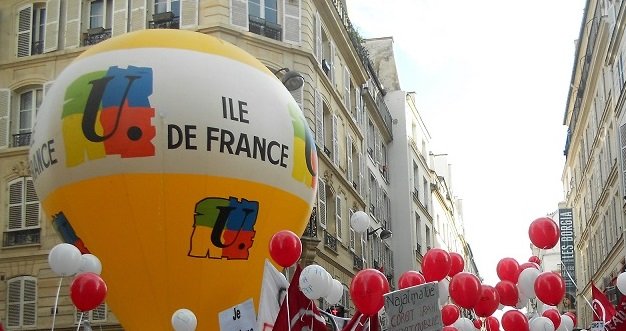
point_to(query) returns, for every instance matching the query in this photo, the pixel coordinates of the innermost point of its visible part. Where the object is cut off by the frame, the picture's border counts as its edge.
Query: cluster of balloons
(87, 290)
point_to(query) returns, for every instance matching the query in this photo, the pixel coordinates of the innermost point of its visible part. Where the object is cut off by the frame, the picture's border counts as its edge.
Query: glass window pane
(176, 8)
(254, 8)
(271, 16)
(160, 6)
(26, 100)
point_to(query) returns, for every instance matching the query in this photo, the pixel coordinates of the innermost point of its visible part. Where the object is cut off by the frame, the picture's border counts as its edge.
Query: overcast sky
(491, 79)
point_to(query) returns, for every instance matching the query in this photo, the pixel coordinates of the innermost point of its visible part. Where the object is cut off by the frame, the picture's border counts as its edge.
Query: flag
(303, 313)
(360, 322)
(273, 289)
(618, 321)
(602, 307)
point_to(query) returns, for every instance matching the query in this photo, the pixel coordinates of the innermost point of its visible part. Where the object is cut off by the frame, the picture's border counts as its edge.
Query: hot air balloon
(174, 157)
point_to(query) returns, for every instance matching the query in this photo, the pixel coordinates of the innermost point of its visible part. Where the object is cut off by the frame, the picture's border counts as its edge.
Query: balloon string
(80, 320)
(288, 315)
(56, 302)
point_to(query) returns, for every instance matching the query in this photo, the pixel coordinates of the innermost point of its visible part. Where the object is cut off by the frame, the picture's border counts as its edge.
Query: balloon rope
(56, 302)
(288, 315)
(80, 320)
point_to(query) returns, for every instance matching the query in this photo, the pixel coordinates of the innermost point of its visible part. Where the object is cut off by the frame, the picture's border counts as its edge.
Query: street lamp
(292, 79)
(384, 234)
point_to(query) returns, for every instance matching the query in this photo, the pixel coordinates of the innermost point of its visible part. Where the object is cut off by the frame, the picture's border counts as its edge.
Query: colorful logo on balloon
(304, 149)
(223, 228)
(108, 113)
(65, 229)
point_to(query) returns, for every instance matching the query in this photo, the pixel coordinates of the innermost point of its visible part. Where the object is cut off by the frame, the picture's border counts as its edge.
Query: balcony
(21, 139)
(21, 237)
(357, 262)
(418, 250)
(96, 35)
(415, 195)
(165, 20)
(383, 111)
(330, 241)
(264, 28)
(311, 228)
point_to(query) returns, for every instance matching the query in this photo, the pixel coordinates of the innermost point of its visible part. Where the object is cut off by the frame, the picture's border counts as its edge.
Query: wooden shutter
(239, 13)
(346, 88)
(319, 120)
(16, 202)
(31, 208)
(188, 14)
(5, 106)
(51, 39)
(349, 158)
(338, 218)
(352, 239)
(72, 23)
(332, 63)
(357, 106)
(335, 141)
(291, 21)
(622, 146)
(318, 38)
(321, 202)
(120, 17)
(24, 28)
(22, 302)
(100, 313)
(29, 310)
(137, 15)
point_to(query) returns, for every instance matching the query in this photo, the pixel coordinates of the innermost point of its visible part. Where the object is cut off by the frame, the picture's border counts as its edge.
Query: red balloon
(534, 259)
(550, 288)
(88, 291)
(492, 324)
(285, 248)
(478, 323)
(508, 269)
(410, 278)
(465, 289)
(436, 264)
(449, 328)
(572, 316)
(544, 233)
(526, 265)
(554, 316)
(367, 289)
(457, 264)
(449, 314)
(488, 302)
(514, 320)
(508, 293)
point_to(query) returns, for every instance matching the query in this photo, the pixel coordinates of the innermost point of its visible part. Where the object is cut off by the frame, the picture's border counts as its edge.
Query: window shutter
(98, 314)
(137, 15)
(14, 302)
(335, 142)
(5, 105)
(72, 23)
(338, 218)
(379, 202)
(291, 21)
(29, 313)
(332, 63)
(22, 302)
(349, 155)
(298, 95)
(352, 233)
(51, 39)
(239, 13)
(622, 145)
(357, 106)
(32, 205)
(120, 17)
(24, 28)
(188, 14)
(362, 159)
(16, 200)
(321, 203)
(318, 38)
(376, 147)
(346, 88)
(319, 120)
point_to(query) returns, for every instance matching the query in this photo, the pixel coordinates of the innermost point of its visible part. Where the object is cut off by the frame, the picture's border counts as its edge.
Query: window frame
(21, 303)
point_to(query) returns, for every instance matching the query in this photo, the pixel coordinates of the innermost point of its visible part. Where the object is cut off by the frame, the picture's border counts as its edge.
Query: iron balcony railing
(165, 20)
(311, 228)
(21, 139)
(357, 262)
(265, 28)
(21, 237)
(330, 241)
(96, 35)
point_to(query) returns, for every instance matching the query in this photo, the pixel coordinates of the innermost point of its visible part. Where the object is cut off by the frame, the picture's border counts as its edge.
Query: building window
(31, 25)
(22, 302)
(166, 14)
(96, 14)
(98, 314)
(23, 226)
(263, 16)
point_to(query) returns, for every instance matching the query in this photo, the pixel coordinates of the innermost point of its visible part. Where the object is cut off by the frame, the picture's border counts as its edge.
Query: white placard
(414, 308)
(238, 318)
(597, 326)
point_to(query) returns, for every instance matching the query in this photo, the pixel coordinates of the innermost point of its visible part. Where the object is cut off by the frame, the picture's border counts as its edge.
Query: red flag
(602, 307)
(302, 310)
(360, 322)
(618, 321)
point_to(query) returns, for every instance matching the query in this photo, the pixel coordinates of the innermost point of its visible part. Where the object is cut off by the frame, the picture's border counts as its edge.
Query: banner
(414, 308)
(568, 263)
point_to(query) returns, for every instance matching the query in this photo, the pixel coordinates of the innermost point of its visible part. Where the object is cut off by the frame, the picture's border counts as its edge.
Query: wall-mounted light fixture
(384, 234)
(292, 79)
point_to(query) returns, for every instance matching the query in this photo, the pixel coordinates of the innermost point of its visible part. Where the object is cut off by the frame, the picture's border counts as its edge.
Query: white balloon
(360, 221)
(444, 292)
(567, 324)
(90, 263)
(184, 320)
(522, 300)
(621, 282)
(336, 293)
(541, 324)
(464, 324)
(526, 282)
(64, 259)
(330, 284)
(314, 281)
